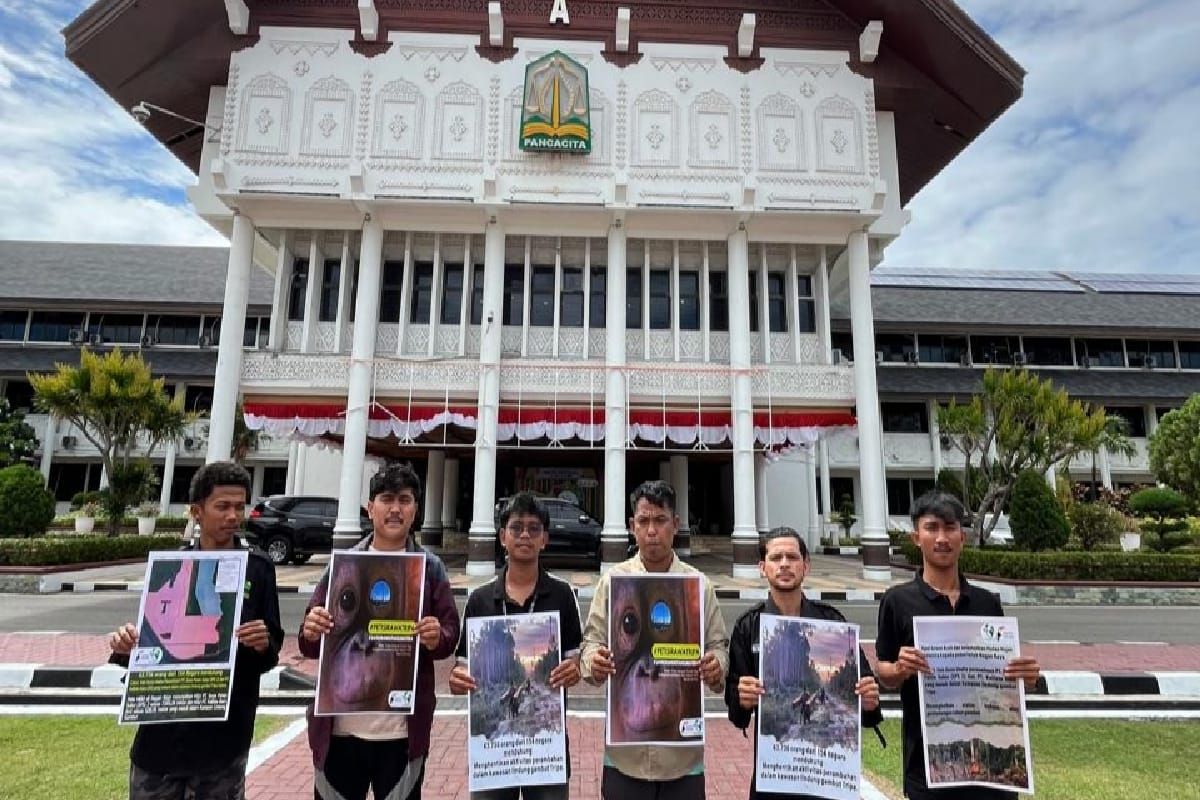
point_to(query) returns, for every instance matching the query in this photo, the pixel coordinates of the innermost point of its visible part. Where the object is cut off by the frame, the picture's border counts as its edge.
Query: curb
(111, 676)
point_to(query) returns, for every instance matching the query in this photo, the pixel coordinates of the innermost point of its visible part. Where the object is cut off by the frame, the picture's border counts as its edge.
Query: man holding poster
(813, 721)
(652, 771)
(937, 589)
(384, 752)
(521, 596)
(207, 760)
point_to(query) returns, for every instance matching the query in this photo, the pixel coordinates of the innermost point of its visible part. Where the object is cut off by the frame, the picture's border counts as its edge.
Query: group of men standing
(386, 753)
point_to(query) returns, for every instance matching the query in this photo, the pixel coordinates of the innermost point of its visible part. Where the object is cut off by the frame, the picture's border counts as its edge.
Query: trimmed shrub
(47, 551)
(1076, 566)
(1095, 524)
(950, 483)
(1163, 512)
(26, 508)
(80, 499)
(1036, 518)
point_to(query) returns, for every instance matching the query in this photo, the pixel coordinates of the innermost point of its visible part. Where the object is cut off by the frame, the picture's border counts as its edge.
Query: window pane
(689, 301)
(937, 349)
(117, 328)
(776, 302)
(274, 481)
(477, 295)
(804, 286)
(633, 298)
(1134, 416)
(896, 347)
(897, 496)
(753, 301)
(541, 297)
(54, 326)
(250, 333)
(904, 417)
(331, 279)
(175, 330)
(19, 395)
(597, 312)
(1153, 353)
(422, 293)
(1049, 352)
(806, 316)
(1189, 354)
(1100, 352)
(718, 301)
(390, 289)
(452, 289)
(297, 289)
(514, 294)
(994, 349)
(571, 310)
(660, 299)
(198, 399)
(12, 325)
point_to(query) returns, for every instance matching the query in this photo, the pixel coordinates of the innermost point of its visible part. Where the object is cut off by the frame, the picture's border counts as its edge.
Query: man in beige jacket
(654, 772)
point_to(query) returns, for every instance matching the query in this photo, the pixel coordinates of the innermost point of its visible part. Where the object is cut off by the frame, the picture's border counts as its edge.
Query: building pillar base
(614, 547)
(877, 561)
(431, 537)
(745, 555)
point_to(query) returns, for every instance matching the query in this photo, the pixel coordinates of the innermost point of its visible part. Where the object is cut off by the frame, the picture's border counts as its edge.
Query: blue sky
(1093, 169)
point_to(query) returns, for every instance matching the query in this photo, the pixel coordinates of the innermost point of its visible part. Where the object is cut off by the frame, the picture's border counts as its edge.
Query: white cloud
(1093, 168)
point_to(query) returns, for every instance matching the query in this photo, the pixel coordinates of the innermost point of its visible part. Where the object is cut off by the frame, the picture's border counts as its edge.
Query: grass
(1073, 759)
(76, 757)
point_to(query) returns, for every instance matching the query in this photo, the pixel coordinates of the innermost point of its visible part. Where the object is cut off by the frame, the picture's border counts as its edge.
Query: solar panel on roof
(972, 280)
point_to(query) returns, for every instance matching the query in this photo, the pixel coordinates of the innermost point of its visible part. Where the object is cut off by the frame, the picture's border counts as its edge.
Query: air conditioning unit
(1089, 361)
(911, 357)
(1019, 359)
(148, 340)
(95, 340)
(944, 441)
(69, 442)
(206, 340)
(964, 360)
(76, 336)
(189, 443)
(1151, 362)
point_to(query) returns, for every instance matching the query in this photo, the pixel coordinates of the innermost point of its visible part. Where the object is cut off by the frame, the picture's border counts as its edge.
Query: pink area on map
(183, 636)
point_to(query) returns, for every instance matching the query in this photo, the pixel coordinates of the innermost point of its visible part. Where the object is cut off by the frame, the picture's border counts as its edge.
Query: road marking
(1146, 644)
(1051, 641)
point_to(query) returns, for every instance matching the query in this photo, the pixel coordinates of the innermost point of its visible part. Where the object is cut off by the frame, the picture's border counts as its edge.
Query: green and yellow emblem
(556, 115)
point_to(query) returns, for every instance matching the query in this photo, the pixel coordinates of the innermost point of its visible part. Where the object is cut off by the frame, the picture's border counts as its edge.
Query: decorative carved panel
(597, 342)
(634, 350)
(662, 346)
(839, 136)
(510, 340)
(328, 125)
(265, 116)
(655, 130)
(780, 134)
(386, 336)
(711, 131)
(447, 340)
(399, 121)
(570, 342)
(691, 346)
(416, 340)
(781, 347)
(458, 123)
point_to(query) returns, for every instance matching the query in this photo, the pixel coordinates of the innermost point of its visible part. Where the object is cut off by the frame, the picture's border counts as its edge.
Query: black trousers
(353, 765)
(616, 785)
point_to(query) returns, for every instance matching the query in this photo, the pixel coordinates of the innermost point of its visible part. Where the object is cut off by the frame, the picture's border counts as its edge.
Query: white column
(615, 534)
(301, 467)
(761, 520)
(764, 305)
(745, 534)
(826, 482)
(277, 340)
(810, 482)
(229, 353)
(935, 437)
(679, 482)
(435, 306)
(169, 456)
(450, 496)
(49, 434)
(482, 537)
(289, 482)
(664, 471)
(345, 295)
(1106, 469)
(464, 318)
(406, 282)
(312, 293)
(431, 531)
(1052, 478)
(256, 481)
(348, 529)
(876, 558)
(821, 290)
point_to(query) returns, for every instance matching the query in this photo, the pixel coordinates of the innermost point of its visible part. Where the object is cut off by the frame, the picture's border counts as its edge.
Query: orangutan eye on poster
(655, 625)
(369, 659)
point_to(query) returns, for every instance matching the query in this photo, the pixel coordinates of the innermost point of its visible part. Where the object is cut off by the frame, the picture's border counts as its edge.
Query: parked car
(572, 531)
(294, 528)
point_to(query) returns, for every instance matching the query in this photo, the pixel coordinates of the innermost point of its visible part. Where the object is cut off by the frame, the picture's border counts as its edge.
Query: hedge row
(49, 550)
(1074, 566)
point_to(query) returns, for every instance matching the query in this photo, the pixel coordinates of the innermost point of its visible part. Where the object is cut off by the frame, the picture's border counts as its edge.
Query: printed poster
(809, 723)
(181, 668)
(369, 660)
(517, 723)
(972, 718)
(656, 635)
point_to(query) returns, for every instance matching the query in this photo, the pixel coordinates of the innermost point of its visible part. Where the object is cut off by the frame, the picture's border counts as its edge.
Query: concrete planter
(84, 524)
(1131, 542)
(146, 525)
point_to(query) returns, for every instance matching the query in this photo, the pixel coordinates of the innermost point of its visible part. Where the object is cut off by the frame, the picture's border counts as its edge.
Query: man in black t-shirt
(523, 587)
(207, 760)
(937, 589)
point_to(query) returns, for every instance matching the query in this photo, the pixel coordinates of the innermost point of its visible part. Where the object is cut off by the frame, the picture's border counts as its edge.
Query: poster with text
(972, 717)
(517, 731)
(656, 635)
(369, 660)
(809, 731)
(181, 668)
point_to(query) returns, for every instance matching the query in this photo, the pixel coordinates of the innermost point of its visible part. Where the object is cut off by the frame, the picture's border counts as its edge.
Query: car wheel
(279, 550)
(301, 558)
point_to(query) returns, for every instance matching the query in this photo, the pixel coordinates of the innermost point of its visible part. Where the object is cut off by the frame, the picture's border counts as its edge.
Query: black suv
(572, 531)
(294, 528)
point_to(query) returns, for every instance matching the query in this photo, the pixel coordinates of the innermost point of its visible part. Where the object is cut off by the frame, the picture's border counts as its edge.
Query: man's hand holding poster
(656, 638)
(972, 717)
(809, 736)
(369, 660)
(517, 731)
(181, 668)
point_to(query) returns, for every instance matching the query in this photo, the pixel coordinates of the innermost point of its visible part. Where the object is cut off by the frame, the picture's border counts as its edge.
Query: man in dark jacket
(783, 560)
(207, 760)
(383, 752)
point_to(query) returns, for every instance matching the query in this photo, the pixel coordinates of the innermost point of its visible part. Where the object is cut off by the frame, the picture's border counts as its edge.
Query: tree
(1017, 422)
(1175, 450)
(1163, 512)
(18, 441)
(1095, 524)
(28, 507)
(1036, 518)
(117, 405)
(1114, 439)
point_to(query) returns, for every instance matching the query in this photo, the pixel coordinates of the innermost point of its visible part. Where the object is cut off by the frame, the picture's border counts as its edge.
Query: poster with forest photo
(809, 737)
(517, 732)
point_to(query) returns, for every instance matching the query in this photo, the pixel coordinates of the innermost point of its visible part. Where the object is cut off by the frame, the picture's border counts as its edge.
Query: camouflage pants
(226, 784)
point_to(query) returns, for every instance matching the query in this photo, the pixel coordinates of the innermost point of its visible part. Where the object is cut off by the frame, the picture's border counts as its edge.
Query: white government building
(570, 246)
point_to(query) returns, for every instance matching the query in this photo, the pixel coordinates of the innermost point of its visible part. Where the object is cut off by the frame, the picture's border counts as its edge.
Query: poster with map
(181, 668)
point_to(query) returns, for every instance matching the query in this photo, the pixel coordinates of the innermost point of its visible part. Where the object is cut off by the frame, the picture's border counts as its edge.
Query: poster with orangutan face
(655, 633)
(369, 660)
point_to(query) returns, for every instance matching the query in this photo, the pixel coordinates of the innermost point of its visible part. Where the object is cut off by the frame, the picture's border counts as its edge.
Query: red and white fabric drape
(773, 428)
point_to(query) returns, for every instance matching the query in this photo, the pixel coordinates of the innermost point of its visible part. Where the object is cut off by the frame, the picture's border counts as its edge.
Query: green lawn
(75, 757)
(1077, 759)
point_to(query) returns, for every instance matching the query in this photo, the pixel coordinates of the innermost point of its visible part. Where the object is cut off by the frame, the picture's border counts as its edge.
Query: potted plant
(147, 515)
(85, 517)
(845, 517)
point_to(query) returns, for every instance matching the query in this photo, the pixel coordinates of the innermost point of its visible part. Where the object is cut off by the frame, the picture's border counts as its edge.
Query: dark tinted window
(297, 289)
(904, 417)
(896, 347)
(570, 313)
(331, 279)
(198, 399)
(477, 295)
(1134, 416)
(422, 293)
(12, 325)
(541, 297)
(391, 288)
(452, 294)
(274, 480)
(598, 299)
(1155, 353)
(806, 306)
(312, 508)
(514, 294)
(718, 301)
(898, 499)
(1047, 351)
(67, 479)
(117, 328)
(1099, 352)
(175, 330)
(660, 299)
(633, 298)
(938, 349)
(19, 395)
(1189, 355)
(843, 341)
(181, 483)
(54, 326)
(776, 302)
(689, 300)
(994, 349)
